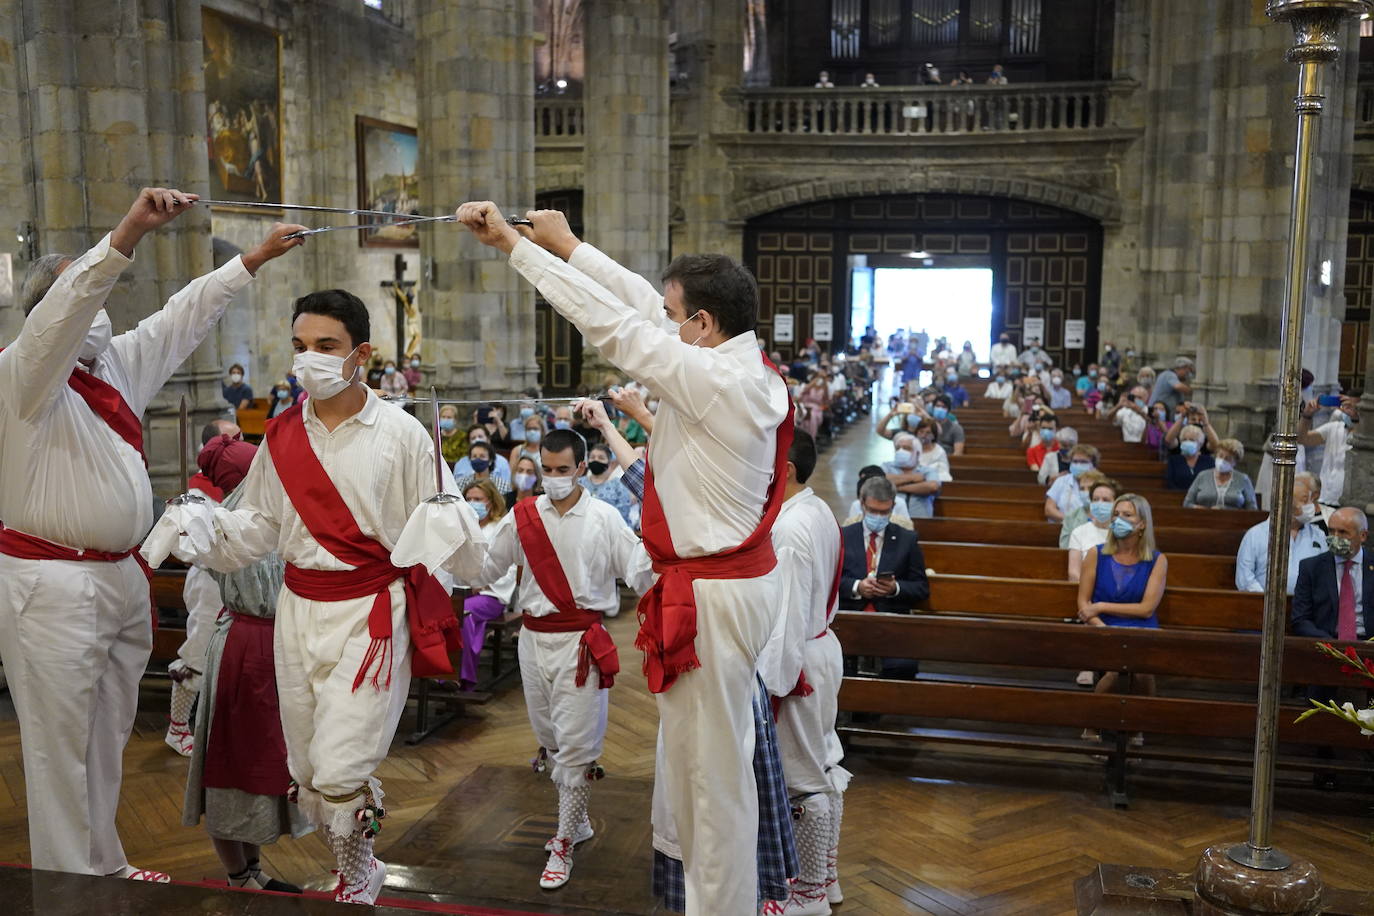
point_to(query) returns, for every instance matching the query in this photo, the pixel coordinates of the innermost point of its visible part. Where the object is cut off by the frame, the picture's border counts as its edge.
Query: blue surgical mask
(1047, 436)
(479, 508)
(904, 458)
(447, 424)
(479, 464)
(1101, 386)
(390, 370)
(561, 424)
(940, 413)
(875, 523)
(1140, 402)
(1101, 510)
(1077, 372)
(525, 481)
(1224, 467)
(1122, 528)
(1188, 447)
(951, 377)
(1001, 379)
(283, 394)
(532, 436)
(526, 412)
(1080, 467)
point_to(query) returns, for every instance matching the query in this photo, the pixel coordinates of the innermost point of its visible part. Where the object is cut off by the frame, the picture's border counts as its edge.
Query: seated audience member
(906, 418)
(1157, 427)
(1060, 397)
(1131, 414)
(1224, 487)
(526, 409)
(482, 607)
(1122, 583)
(237, 393)
(999, 389)
(1197, 415)
(1171, 385)
(1034, 358)
(1078, 513)
(967, 362)
(602, 480)
(453, 442)
(481, 466)
(883, 569)
(1188, 460)
(918, 483)
(394, 384)
(1306, 539)
(411, 370)
(1063, 494)
(463, 466)
(534, 434)
(1146, 378)
(1048, 426)
(1003, 352)
(526, 479)
(493, 417)
(1100, 391)
(856, 512)
(1334, 439)
(949, 432)
(282, 399)
(1057, 461)
(1333, 597)
(1092, 532)
(1085, 380)
(955, 392)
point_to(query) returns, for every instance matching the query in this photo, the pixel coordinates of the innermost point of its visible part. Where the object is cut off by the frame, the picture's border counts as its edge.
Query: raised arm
(594, 412)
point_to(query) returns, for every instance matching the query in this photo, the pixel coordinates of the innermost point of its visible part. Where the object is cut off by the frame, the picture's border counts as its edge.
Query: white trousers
(203, 604)
(75, 639)
(704, 784)
(336, 737)
(807, 742)
(568, 720)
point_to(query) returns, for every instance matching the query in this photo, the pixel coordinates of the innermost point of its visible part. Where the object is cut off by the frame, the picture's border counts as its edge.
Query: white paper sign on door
(1075, 334)
(782, 328)
(1033, 329)
(823, 327)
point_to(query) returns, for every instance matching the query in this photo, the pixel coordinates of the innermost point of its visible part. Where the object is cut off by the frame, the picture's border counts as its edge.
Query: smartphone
(1329, 400)
(885, 575)
(484, 415)
(906, 407)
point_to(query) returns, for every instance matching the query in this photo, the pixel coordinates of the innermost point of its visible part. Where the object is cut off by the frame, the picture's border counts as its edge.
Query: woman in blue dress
(1122, 583)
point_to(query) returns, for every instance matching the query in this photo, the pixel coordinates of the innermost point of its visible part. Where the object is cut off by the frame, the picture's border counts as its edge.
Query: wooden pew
(1041, 599)
(1034, 492)
(1164, 516)
(253, 419)
(1019, 644)
(1044, 534)
(998, 460)
(1132, 482)
(1191, 569)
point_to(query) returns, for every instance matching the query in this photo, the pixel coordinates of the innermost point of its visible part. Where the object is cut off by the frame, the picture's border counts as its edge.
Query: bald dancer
(75, 615)
(713, 486)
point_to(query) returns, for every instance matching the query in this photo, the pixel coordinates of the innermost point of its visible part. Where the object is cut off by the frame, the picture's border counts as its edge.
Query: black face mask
(597, 468)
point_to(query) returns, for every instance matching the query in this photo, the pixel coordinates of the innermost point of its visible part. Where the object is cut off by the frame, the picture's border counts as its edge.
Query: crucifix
(402, 291)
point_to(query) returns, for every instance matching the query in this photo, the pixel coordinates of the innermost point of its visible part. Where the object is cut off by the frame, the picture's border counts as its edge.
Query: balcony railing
(1364, 104)
(918, 110)
(558, 118)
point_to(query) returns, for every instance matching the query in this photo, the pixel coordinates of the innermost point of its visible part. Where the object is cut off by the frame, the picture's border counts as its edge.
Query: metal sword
(405, 222)
(439, 495)
(184, 443)
(406, 399)
(305, 207)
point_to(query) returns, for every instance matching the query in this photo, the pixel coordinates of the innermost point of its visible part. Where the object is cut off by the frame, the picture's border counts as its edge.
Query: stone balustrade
(558, 119)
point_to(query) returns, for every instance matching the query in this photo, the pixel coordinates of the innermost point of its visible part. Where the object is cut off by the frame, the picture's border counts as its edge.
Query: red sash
(28, 547)
(205, 485)
(668, 611)
(553, 582)
(433, 626)
(110, 406)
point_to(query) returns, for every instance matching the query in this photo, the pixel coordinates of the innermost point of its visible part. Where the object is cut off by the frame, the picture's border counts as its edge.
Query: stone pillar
(710, 49)
(625, 156)
(475, 68)
(113, 100)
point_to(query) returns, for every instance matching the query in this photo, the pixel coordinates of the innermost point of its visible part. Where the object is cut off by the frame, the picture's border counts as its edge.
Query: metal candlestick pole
(1318, 27)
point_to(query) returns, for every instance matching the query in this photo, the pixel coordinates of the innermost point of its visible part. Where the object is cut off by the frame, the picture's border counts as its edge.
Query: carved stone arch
(1100, 207)
(559, 178)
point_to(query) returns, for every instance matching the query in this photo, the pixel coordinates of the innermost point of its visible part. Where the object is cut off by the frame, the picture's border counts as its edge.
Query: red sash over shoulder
(668, 611)
(433, 626)
(109, 405)
(553, 582)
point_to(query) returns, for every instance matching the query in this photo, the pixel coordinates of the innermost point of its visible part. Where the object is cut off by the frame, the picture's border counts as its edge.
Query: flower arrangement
(1356, 666)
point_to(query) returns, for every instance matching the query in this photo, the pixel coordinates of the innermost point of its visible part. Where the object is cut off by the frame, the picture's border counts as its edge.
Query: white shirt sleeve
(626, 285)
(503, 552)
(780, 662)
(1248, 559)
(632, 562)
(36, 366)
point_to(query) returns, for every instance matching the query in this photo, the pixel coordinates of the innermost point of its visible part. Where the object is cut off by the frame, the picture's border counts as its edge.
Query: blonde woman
(1223, 487)
(481, 608)
(1122, 583)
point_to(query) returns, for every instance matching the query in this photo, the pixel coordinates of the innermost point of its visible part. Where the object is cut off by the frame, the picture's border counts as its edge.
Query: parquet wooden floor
(935, 832)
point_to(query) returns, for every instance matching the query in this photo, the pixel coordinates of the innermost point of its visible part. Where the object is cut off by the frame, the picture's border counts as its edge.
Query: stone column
(113, 100)
(625, 156)
(710, 49)
(475, 68)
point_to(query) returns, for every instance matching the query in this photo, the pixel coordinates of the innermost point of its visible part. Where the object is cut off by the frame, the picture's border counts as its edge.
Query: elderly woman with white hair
(1065, 440)
(1224, 486)
(1190, 460)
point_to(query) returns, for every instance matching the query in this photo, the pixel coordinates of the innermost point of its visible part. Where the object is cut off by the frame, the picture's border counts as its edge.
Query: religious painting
(388, 155)
(242, 108)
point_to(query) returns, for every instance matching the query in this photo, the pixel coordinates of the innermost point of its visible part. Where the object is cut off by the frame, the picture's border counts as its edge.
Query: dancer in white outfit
(75, 614)
(571, 548)
(712, 489)
(331, 490)
(802, 667)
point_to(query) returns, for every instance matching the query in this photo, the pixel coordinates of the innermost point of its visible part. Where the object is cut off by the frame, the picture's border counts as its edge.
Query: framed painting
(242, 62)
(388, 155)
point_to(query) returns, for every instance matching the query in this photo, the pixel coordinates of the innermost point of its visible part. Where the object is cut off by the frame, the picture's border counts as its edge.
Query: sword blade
(184, 439)
(302, 207)
(438, 445)
(405, 222)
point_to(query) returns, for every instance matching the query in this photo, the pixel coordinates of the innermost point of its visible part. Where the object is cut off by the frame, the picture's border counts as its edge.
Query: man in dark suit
(1334, 599)
(884, 569)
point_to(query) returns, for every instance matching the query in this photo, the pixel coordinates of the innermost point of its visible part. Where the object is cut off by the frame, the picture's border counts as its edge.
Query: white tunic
(594, 545)
(58, 459)
(714, 443)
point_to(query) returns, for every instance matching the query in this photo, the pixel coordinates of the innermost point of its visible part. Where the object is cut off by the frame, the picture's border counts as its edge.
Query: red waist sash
(28, 547)
(548, 572)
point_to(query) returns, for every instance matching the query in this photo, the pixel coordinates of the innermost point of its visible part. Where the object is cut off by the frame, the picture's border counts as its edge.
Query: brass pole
(1317, 29)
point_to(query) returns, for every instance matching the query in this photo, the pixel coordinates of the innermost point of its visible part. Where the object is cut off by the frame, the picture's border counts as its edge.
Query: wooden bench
(1023, 645)
(1131, 482)
(993, 459)
(1034, 493)
(1046, 534)
(253, 419)
(1193, 569)
(1164, 516)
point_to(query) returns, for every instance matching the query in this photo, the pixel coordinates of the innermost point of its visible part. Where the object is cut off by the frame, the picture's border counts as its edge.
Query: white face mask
(235, 377)
(97, 338)
(559, 487)
(689, 318)
(321, 375)
(1306, 513)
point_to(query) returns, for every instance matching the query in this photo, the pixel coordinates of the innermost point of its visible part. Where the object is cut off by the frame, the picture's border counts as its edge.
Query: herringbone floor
(931, 832)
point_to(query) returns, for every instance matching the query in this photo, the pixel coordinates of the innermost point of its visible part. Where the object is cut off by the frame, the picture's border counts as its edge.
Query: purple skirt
(478, 611)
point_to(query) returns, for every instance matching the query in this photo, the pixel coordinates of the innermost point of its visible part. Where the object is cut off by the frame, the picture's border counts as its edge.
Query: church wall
(339, 61)
(14, 197)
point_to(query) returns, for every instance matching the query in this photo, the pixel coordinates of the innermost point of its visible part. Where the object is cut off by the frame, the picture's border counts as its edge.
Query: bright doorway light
(955, 303)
